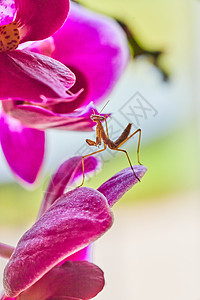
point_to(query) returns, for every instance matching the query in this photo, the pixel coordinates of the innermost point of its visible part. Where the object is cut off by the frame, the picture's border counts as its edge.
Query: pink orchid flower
(51, 259)
(33, 90)
(26, 76)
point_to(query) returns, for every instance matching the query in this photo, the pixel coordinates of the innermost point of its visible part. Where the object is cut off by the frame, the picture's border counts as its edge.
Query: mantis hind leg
(83, 167)
(138, 146)
(122, 150)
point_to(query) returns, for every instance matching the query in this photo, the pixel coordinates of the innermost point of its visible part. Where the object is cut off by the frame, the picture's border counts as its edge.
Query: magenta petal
(41, 118)
(4, 297)
(80, 279)
(103, 57)
(29, 75)
(74, 221)
(23, 148)
(64, 298)
(114, 188)
(65, 175)
(40, 19)
(83, 254)
(7, 11)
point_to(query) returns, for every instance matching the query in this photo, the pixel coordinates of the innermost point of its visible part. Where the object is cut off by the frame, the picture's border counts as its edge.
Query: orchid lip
(9, 37)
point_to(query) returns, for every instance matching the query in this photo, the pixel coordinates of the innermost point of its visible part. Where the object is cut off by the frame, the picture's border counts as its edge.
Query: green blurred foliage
(18, 205)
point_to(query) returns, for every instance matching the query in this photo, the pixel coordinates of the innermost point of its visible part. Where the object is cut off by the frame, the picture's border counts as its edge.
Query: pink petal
(83, 254)
(41, 118)
(23, 148)
(7, 11)
(29, 75)
(50, 102)
(103, 56)
(74, 221)
(40, 19)
(114, 188)
(64, 298)
(64, 176)
(78, 279)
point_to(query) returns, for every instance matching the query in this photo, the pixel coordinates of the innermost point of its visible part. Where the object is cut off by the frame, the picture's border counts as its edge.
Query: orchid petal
(50, 102)
(83, 254)
(114, 188)
(103, 57)
(22, 146)
(29, 75)
(78, 279)
(41, 118)
(40, 19)
(7, 11)
(64, 298)
(74, 221)
(65, 175)
(4, 297)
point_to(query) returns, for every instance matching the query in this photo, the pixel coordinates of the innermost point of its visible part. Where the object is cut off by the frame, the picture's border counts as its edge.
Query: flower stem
(6, 250)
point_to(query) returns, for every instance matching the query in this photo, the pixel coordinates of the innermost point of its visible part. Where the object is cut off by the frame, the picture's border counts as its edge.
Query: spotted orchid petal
(29, 75)
(7, 11)
(103, 57)
(39, 19)
(75, 220)
(78, 279)
(114, 188)
(42, 118)
(22, 146)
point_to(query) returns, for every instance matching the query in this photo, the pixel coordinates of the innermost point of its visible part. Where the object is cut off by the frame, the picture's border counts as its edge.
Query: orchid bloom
(51, 259)
(25, 76)
(41, 92)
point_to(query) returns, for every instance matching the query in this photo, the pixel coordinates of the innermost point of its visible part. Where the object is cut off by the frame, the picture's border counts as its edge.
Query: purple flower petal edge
(114, 188)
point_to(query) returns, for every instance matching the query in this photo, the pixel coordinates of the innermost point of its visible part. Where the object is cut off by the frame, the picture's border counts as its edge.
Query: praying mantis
(101, 135)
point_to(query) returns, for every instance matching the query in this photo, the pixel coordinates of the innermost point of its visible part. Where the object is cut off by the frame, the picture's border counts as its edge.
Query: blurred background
(152, 250)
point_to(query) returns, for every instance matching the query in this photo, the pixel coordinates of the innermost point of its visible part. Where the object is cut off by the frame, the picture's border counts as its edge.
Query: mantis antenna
(104, 106)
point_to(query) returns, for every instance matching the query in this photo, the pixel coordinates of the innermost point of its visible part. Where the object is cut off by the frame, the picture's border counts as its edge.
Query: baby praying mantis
(102, 135)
